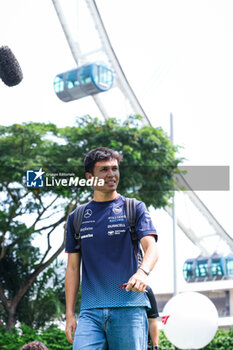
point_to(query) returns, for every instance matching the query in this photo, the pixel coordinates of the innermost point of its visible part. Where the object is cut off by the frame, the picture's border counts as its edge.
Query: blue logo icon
(35, 178)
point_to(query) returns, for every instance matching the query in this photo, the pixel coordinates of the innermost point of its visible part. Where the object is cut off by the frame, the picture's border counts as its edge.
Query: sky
(177, 56)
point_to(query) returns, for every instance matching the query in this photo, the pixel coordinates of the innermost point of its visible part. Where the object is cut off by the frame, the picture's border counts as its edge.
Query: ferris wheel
(115, 86)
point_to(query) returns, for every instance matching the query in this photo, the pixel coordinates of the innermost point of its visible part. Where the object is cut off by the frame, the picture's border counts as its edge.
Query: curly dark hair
(100, 154)
(34, 345)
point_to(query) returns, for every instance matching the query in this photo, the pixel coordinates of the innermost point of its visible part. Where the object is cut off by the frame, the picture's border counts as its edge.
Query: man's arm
(138, 281)
(72, 281)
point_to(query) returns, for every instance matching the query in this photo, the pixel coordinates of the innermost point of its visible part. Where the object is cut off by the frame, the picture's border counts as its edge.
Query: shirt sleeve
(153, 312)
(72, 245)
(144, 224)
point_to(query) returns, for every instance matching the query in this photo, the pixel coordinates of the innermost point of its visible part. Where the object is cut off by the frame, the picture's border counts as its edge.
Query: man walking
(110, 317)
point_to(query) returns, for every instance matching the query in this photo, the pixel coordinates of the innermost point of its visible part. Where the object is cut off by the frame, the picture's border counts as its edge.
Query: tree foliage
(55, 339)
(29, 213)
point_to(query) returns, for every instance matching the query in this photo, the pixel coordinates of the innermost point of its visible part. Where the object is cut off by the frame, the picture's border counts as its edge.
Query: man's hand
(137, 282)
(71, 285)
(70, 328)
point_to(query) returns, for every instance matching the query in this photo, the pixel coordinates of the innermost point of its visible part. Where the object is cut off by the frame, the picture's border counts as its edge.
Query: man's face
(109, 172)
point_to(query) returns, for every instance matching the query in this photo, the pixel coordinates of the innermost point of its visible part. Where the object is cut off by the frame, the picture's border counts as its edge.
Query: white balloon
(190, 320)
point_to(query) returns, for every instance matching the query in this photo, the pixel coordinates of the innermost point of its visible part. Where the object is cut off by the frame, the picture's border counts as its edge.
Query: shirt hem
(113, 307)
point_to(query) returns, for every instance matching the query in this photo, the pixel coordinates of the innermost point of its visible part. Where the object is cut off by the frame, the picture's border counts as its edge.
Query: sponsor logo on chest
(116, 224)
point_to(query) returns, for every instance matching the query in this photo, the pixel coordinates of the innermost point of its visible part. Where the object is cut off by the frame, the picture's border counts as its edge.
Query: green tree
(55, 339)
(29, 213)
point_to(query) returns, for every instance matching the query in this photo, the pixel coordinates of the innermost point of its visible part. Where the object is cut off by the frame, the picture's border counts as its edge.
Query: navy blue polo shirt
(108, 257)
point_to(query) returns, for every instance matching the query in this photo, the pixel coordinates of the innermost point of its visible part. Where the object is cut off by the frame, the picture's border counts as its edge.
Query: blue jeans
(112, 328)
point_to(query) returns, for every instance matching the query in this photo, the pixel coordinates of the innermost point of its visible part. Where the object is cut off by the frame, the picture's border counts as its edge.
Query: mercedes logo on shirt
(88, 213)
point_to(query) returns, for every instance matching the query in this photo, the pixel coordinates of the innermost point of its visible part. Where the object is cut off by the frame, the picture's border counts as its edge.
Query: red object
(165, 318)
(123, 286)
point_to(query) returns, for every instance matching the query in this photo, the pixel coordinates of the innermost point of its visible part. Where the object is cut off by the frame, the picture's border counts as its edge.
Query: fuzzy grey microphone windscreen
(10, 71)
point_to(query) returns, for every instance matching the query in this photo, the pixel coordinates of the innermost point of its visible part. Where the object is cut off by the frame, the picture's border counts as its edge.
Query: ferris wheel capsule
(83, 81)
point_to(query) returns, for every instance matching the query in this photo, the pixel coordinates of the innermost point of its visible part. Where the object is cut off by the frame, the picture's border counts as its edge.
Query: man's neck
(104, 197)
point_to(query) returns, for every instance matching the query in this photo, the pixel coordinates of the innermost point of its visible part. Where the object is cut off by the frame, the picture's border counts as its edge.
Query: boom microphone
(10, 71)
